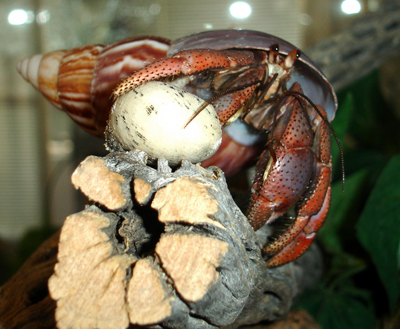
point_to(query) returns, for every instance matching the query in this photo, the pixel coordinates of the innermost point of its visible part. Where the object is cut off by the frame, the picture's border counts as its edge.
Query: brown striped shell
(80, 81)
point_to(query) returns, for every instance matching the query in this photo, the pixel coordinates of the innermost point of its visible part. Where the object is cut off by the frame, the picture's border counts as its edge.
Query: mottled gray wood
(357, 50)
(236, 289)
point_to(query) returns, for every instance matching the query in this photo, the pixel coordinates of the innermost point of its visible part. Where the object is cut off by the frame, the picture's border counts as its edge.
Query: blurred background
(41, 146)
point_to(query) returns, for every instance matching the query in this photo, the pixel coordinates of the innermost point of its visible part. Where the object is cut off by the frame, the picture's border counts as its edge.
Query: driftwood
(24, 299)
(157, 248)
(354, 52)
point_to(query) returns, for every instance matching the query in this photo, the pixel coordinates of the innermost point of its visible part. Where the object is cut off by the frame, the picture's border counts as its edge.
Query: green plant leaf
(336, 227)
(362, 158)
(378, 228)
(373, 123)
(339, 309)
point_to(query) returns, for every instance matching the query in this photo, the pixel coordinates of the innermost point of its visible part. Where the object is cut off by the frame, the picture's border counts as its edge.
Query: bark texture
(356, 51)
(157, 248)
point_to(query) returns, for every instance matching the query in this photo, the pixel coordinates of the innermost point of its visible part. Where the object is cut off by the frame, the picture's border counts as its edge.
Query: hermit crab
(270, 98)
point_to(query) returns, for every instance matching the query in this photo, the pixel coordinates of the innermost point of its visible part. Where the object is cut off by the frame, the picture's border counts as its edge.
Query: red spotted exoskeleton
(261, 86)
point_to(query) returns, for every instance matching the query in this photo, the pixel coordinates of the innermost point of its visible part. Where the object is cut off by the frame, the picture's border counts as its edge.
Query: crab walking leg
(300, 244)
(186, 62)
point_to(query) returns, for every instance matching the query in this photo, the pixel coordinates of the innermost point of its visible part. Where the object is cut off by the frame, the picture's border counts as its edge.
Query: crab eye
(298, 54)
(275, 47)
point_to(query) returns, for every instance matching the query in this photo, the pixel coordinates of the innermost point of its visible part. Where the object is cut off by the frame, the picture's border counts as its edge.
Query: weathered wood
(354, 52)
(24, 299)
(296, 319)
(89, 279)
(100, 184)
(176, 253)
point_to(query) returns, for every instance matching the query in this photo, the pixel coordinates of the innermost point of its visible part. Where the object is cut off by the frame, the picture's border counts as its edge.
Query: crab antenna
(214, 98)
(262, 95)
(295, 93)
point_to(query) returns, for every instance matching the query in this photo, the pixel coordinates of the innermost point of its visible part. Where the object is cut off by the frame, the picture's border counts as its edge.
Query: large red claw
(284, 171)
(294, 172)
(313, 205)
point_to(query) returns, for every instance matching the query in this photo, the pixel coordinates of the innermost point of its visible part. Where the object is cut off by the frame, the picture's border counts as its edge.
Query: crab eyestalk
(152, 118)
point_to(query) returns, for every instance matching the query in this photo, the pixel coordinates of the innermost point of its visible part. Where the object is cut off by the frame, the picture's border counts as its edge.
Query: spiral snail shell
(80, 81)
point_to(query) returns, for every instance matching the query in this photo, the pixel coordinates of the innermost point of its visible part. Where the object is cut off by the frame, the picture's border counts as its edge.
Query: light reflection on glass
(351, 7)
(240, 9)
(43, 16)
(155, 9)
(20, 16)
(304, 19)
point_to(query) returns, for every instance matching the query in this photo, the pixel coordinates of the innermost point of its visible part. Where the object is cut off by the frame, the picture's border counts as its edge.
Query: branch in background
(356, 51)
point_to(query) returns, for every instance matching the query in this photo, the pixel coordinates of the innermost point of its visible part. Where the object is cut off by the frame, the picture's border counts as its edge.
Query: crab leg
(238, 94)
(186, 62)
(302, 241)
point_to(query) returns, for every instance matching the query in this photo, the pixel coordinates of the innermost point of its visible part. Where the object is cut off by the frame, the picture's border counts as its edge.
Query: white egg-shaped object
(152, 118)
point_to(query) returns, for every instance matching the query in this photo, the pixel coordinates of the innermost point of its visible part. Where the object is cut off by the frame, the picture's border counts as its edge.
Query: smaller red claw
(300, 244)
(186, 62)
(198, 60)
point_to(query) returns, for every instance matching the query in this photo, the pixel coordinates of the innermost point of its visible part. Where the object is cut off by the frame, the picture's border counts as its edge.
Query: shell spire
(80, 81)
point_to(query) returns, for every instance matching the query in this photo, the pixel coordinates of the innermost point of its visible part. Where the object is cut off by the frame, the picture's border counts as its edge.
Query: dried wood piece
(186, 200)
(142, 190)
(24, 299)
(296, 319)
(89, 280)
(100, 184)
(180, 254)
(192, 262)
(149, 298)
(352, 53)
